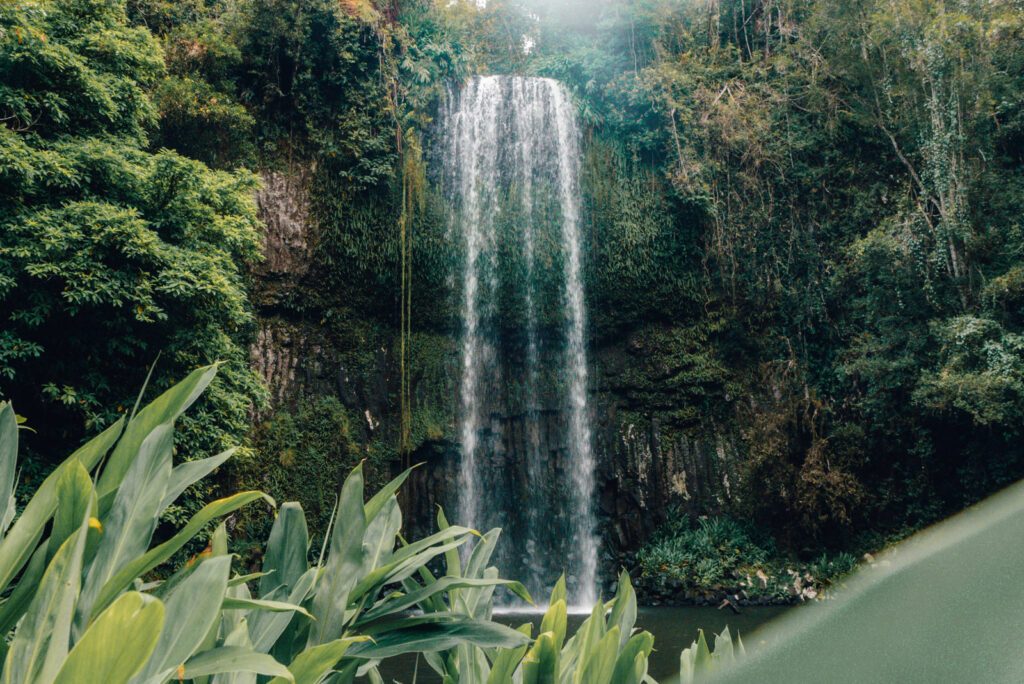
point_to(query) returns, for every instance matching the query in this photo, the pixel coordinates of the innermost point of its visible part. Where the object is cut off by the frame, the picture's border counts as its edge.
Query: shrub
(708, 554)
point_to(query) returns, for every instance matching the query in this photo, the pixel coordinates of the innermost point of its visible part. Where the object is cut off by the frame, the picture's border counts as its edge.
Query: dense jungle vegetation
(810, 210)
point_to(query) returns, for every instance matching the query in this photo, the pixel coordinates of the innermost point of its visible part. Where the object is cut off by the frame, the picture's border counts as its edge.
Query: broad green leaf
(555, 621)
(508, 659)
(404, 620)
(263, 604)
(133, 517)
(559, 592)
(623, 611)
(587, 638)
(380, 535)
(75, 497)
(440, 636)
(472, 664)
(637, 675)
(161, 553)
(724, 648)
(378, 500)
(266, 627)
(702, 662)
(235, 619)
(404, 602)
(285, 557)
(540, 665)
(245, 579)
(191, 609)
(637, 649)
(688, 665)
(187, 474)
(453, 563)
(117, 643)
(477, 602)
(600, 661)
(408, 559)
(228, 659)
(14, 607)
(20, 542)
(41, 641)
(8, 463)
(163, 410)
(342, 570)
(482, 552)
(310, 665)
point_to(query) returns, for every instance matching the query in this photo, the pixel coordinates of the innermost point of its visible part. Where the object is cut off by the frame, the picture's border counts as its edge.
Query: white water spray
(503, 136)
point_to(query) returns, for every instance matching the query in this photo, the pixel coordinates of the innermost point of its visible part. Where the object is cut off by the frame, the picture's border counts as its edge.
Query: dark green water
(673, 629)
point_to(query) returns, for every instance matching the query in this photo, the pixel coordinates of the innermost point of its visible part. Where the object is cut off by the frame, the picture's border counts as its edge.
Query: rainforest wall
(804, 254)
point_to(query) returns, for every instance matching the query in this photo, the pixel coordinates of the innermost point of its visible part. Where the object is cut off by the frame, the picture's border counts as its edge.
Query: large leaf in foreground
(41, 641)
(343, 563)
(234, 659)
(192, 609)
(161, 553)
(20, 542)
(944, 606)
(163, 410)
(8, 463)
(117, 643)
(313, 663)
(133, 516)
(440, 636)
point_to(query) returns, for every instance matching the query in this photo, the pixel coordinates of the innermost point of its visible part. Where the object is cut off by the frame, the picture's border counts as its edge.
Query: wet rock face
(297, 362)
(283, 206)
(645, 471)
(649, 459)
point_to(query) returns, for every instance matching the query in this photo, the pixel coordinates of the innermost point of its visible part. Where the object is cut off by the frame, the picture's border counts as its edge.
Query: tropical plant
(357, 597)
(606, 648)
(698, 662)
(75, 608)
(80, 609)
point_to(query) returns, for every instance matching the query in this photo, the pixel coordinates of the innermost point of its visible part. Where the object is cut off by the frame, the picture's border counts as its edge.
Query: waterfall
(511, 164)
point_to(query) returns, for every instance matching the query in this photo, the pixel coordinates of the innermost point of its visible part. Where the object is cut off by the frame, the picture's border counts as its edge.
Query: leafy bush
(203, 123)
(299, 454)
(108, 252)
(710, 553)
(719, 557)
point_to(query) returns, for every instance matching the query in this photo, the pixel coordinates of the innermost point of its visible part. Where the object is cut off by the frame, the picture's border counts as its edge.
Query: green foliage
(710, 553)
(980, 372)
(638, 239)
(803, 216)
(841, 183)
(111, 254)
(699, 663)
(711, 558)
(606, 649)
(202, 123)
(299, 455)
(76, 607)
(81, 545)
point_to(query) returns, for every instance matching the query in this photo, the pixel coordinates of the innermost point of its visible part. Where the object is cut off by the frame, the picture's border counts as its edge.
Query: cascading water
(511, 162)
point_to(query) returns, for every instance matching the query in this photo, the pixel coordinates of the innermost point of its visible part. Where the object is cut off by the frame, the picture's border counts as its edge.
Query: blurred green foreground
(947, 605)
